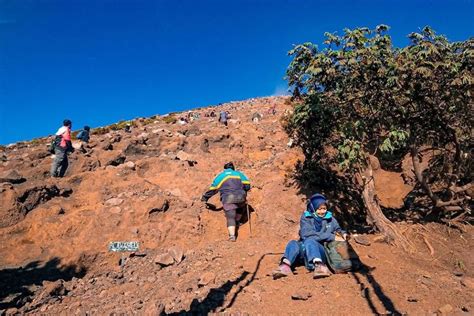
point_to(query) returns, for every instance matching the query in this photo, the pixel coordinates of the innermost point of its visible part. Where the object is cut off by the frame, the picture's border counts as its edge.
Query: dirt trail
(145, 186)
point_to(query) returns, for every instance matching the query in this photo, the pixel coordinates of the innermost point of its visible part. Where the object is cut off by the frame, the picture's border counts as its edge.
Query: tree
(362, 96)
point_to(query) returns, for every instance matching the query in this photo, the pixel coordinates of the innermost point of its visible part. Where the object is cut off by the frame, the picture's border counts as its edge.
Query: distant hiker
(223, 116)
(127, 128)
(272, 109)
(317, 225)
(62, 147)
(233, 186)
(84, 134)
(182, 121)
(256, 117)
(212, 114)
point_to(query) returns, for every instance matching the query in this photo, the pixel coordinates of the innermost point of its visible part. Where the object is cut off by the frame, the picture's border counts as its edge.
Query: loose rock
(206, 278)
(303, 296)
(164, 259)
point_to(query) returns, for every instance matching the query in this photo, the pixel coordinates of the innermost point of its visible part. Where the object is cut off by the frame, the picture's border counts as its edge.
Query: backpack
(341, 257)
(56, 141)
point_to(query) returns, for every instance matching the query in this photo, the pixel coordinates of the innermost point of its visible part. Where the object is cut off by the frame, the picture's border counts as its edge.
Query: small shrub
(35, 141)
(170, 119)
(100, 130)
(148, 121)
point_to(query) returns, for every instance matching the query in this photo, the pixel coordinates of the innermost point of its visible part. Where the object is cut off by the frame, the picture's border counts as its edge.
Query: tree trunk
(375, 215)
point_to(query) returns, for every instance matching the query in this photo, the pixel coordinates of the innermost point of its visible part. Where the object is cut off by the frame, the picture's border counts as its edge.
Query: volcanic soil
(146, 185)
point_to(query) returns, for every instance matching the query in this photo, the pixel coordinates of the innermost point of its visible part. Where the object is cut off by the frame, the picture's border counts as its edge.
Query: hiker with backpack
(223, 116)
(317, 226)
(62, 146)
(84, 134)
(233, 187)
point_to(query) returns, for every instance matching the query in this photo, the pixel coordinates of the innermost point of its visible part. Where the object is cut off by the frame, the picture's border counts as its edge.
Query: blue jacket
(321, 229)
(233, 186)
(83, 135)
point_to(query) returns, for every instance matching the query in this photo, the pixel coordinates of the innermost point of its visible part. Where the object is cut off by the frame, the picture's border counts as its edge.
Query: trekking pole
(248, 218)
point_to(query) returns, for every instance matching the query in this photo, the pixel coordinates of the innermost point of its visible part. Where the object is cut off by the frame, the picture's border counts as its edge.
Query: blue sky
(97, 62)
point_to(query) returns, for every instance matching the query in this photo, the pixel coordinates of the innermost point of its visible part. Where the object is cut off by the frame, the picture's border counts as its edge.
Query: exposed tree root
(428, 244)
(376, 216)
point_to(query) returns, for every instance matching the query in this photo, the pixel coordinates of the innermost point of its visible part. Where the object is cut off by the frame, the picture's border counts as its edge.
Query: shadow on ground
(217, 300)
(17, 285)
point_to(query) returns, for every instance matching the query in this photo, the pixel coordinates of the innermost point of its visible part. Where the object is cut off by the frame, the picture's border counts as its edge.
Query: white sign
(123, 246)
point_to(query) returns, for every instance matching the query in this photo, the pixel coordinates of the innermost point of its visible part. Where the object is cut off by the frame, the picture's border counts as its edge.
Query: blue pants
(304, 251)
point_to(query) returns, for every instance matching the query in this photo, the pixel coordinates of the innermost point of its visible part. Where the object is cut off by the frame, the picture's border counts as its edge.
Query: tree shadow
(17, 284)
(344, 199)
(418, 209)
(373, 288)
(216, 298)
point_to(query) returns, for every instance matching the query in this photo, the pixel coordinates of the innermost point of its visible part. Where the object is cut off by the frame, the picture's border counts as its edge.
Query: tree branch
(456, 189)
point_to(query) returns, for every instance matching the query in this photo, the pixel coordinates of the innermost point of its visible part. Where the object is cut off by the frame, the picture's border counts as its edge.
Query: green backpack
(56, 141)
(341, 257)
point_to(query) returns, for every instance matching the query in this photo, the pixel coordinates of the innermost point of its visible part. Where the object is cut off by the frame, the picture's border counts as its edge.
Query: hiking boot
(282, 271)
(232, 238)
(321, 271)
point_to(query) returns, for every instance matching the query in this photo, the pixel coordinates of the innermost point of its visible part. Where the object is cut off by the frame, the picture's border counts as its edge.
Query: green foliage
(170, 119)
(394, 140)
(36, 141)
(360, 95)
(121, 125)
(148, 121)
(100, 130)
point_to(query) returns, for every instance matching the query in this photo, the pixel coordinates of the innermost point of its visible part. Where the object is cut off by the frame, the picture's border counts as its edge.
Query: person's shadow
(244, 211)
(245, 214)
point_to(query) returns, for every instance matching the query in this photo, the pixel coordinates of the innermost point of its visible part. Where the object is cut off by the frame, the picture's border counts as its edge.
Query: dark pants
(60, 163)
(231, 210)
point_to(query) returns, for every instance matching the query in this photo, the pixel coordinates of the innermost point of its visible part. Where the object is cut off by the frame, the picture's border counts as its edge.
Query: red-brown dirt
(55, 233)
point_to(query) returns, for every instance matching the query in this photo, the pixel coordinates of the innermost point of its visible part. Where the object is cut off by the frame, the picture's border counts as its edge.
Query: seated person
(84, 134)
(317, 225)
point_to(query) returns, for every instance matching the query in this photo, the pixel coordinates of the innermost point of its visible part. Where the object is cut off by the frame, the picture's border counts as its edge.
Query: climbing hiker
(223, 116)
(317, 225)
(84, 134)
(272, 109)
(233, 186)
(256, 117)
(62, 147)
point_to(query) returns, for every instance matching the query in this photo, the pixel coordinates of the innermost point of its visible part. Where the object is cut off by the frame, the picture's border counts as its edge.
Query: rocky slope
(145, 186)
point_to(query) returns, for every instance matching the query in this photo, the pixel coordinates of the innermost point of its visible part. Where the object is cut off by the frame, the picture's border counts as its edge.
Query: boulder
(445, 310)
(164, 259)
(206, 278)
(177, 254)
(116, 161)
(113, 202)
(11, 176)
(301, 295)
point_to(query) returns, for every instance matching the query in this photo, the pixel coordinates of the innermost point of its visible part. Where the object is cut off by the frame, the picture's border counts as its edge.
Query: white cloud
(280, 90)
